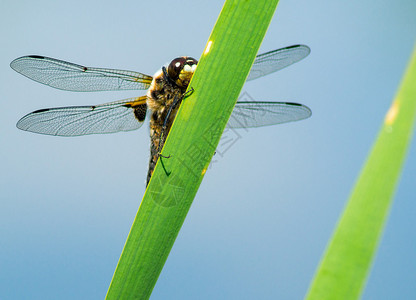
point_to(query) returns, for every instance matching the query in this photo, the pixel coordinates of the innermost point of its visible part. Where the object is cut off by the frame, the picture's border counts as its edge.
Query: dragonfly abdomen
(163, 99)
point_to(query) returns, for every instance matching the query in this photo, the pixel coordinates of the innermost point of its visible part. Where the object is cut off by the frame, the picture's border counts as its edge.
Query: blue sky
(265, 210)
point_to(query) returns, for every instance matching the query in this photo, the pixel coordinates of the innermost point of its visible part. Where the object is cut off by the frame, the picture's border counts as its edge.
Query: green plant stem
(345, 266)
(191, 143)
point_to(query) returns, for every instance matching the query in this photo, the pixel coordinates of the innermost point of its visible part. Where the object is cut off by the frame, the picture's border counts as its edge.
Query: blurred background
(265, 209)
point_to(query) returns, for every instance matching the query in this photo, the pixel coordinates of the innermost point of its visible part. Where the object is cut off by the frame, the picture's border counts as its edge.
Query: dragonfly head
(181, 69)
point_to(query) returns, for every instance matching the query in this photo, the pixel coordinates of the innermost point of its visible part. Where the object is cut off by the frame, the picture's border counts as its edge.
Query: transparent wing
(276, 60)
(71, 77)
(256, 114)
(111, 117)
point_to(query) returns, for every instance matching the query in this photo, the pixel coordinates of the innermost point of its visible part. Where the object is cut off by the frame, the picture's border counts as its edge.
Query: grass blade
(343, 270)
(197, 129)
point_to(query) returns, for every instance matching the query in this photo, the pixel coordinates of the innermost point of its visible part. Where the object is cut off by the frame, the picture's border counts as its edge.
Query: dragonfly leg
(168, 79)
(176, 101)
(188, 92)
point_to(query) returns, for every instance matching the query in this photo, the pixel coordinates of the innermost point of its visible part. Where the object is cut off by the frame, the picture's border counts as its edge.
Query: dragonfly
(165, 92)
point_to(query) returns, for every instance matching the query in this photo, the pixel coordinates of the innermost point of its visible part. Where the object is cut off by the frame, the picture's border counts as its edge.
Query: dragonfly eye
(175, 67)
(191, 61)
(188, 64)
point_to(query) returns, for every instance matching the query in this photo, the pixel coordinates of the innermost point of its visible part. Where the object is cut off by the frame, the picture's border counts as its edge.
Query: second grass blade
(343, 271)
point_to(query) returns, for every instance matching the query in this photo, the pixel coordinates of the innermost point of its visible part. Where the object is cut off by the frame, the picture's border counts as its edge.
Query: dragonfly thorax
(163, 100)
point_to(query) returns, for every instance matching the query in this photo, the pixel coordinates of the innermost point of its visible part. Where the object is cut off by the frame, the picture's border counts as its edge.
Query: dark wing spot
(140, 112)
(41, 110)
(37, 56)
(292, 103)
(290, 47)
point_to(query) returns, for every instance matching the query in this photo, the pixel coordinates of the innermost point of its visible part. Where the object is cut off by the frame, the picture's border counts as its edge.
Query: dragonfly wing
(256, 114)
(124, 115)
(276, 60)
(72, 77)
